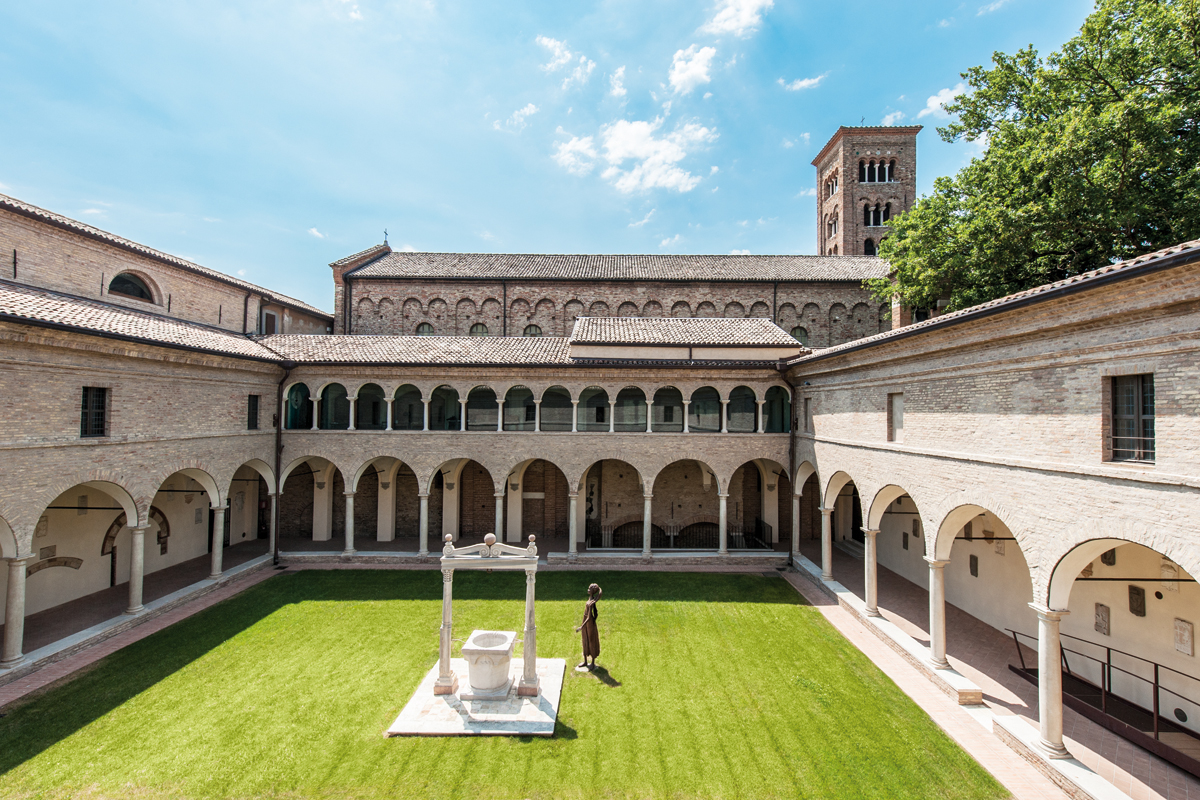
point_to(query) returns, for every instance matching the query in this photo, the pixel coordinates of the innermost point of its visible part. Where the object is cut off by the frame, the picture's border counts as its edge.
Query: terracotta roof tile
(620, 267)
(481, 350)
(32, 211)
(683, 331)
(25, 303)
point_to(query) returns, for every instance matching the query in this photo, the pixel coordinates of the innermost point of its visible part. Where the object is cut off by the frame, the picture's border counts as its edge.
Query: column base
(943, 664)
(349, 552)
(423, 553)
(827, 576)
(1050, 750)
(216, 576)
(133, 611)
(527, 689)
(722, 552)
(873, 612)
(15, 662)
(447, 685)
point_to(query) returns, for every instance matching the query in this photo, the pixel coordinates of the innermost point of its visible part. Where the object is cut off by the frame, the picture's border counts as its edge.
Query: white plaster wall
(76, 535)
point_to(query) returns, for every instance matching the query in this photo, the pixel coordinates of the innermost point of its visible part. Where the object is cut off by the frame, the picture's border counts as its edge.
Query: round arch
(263, 469)
(837, 482)
(8, 540)
(879, 504)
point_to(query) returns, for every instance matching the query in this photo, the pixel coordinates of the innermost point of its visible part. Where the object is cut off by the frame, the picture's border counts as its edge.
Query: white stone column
(724, 416)
(316, 414)
(649, 416)
(499, 531)
(723, 529)
(1050, 705)
(349, 551)
(871, 570)
(646, 523)
(425, 415)
(795, 526)
(937, 613)
(137, 569)
(423, 524)
(572, 526)
(612, 416)
(271, 527)
(686, 404)
(14, 612)
(500, 415)
(574, 416)
(218, 541)
(390, 402)
(447, 681)
(762, 419)
(529, 682)
(537, 417)
(462, 415)
(826, 544)
(353, 407)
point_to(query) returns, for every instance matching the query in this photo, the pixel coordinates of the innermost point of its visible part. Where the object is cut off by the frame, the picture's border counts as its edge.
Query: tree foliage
(1092, 156)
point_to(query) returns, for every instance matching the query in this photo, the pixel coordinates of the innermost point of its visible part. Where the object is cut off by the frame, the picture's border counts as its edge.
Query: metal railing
(1106, 668)
(694, 536)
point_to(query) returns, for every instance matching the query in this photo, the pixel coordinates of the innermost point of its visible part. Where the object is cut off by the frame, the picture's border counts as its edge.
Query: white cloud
(617, 82)
(487, 236)
(739, 252)
(996, 5)
(316, 233)
(802, 83)
(934, 104)
(946, 23)
(788, 143)
(575, 156)
(355, 14)
(670, 241)
(581, 72)
(690, 68)
(91, 212)
(666, 107)
(517, 120)
(893, 118)
(714, 170)
(408, 248)
(809, 192)
(242, 272)
(707, 95)
(643, 220)
(656, 159)
(739, 17)
(206, 219)
(559, 54)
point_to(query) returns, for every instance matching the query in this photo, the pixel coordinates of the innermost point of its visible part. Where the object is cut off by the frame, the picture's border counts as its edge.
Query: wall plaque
(1185, 637)
(1102, 616)
(1109, 558)
(1137, 601)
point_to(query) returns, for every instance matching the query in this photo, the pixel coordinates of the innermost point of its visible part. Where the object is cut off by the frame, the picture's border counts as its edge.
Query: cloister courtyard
(712, 685)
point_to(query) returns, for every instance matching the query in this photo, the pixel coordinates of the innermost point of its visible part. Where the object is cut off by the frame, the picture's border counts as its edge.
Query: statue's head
(594, 591)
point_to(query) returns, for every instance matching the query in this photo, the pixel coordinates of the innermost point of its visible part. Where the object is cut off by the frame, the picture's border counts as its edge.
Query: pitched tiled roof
(686, 331)
(477, 350)
(58, 220)
(52, 309)
(363, 256)
(1045, 292)
(621, 267)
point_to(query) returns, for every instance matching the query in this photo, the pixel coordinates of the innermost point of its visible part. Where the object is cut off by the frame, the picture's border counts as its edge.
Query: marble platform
(427, 714)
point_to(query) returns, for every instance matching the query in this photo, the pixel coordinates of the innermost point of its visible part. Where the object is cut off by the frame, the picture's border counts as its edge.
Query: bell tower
(865, 176)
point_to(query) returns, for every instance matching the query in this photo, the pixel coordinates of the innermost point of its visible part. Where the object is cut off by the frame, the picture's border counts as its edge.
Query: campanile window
(93, 418)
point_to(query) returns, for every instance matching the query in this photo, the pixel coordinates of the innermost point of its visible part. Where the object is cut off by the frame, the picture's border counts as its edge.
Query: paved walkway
(982, 654)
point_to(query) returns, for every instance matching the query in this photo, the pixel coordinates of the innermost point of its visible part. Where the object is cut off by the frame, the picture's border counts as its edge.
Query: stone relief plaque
(999, 547)
(1169, 574)
(1137, 601)
(1109, 558)
(1087, 571)
(1185, 637)
(1102, 616)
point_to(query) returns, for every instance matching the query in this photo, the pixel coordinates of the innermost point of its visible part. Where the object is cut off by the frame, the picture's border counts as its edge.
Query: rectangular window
(268, 322)
(1133, 418)
(895, 413)
(252, 413)
(668, 413)
(94, 412)
(600, 413)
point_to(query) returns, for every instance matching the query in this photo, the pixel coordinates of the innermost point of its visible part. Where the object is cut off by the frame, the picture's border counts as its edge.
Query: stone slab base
(1068, 774)
(359, 557)
(427, 714)
(765, 558)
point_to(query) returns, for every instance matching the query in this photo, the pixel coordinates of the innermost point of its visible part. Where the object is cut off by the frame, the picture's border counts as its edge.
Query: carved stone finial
(449, 537)
(489, 539)
(532, 538)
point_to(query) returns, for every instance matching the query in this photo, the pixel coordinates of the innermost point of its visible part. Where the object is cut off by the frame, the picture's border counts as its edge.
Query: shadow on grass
(604, 676)
(35, 724)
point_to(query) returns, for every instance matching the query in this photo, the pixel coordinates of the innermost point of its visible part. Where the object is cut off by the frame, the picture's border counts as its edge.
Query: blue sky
(267, 139)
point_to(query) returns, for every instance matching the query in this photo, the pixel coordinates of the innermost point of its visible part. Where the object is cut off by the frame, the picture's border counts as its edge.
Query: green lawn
(714, 686)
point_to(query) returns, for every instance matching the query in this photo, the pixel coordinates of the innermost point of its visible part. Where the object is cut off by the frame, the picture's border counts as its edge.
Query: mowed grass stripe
(719, 686)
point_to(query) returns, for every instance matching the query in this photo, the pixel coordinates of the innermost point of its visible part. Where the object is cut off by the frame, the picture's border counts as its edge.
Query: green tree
(1092, 156)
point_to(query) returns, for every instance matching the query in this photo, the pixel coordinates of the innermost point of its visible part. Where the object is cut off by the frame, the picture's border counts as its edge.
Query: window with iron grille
(1133, 418)
(93, 416)
(252, 412)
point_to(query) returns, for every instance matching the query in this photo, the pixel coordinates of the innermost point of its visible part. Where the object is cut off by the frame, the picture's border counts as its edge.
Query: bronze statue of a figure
(591, 634)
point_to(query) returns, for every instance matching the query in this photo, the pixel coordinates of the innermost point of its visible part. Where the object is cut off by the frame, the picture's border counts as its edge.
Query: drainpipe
(246, 315)
(775, 302)
(504, 287)
(346, 302)
(288, 366)
(795, 548)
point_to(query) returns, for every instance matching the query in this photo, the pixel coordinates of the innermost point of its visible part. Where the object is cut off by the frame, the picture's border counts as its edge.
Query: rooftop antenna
(863, 120)
(385, 235)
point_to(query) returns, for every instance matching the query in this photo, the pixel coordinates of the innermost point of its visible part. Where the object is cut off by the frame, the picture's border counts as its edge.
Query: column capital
(18, 560)
(349, 494)
(273, 494)
(220, 508)
(574, 493)
(140, 528)
(936, 563)
(648, 495)
(869, 532)
(498, 495)
(722, 494)
(825, 511)
(423, 494)
(1047, 613)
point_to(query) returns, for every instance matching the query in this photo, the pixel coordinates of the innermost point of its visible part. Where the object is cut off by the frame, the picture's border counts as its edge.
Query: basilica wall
(831, 312)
